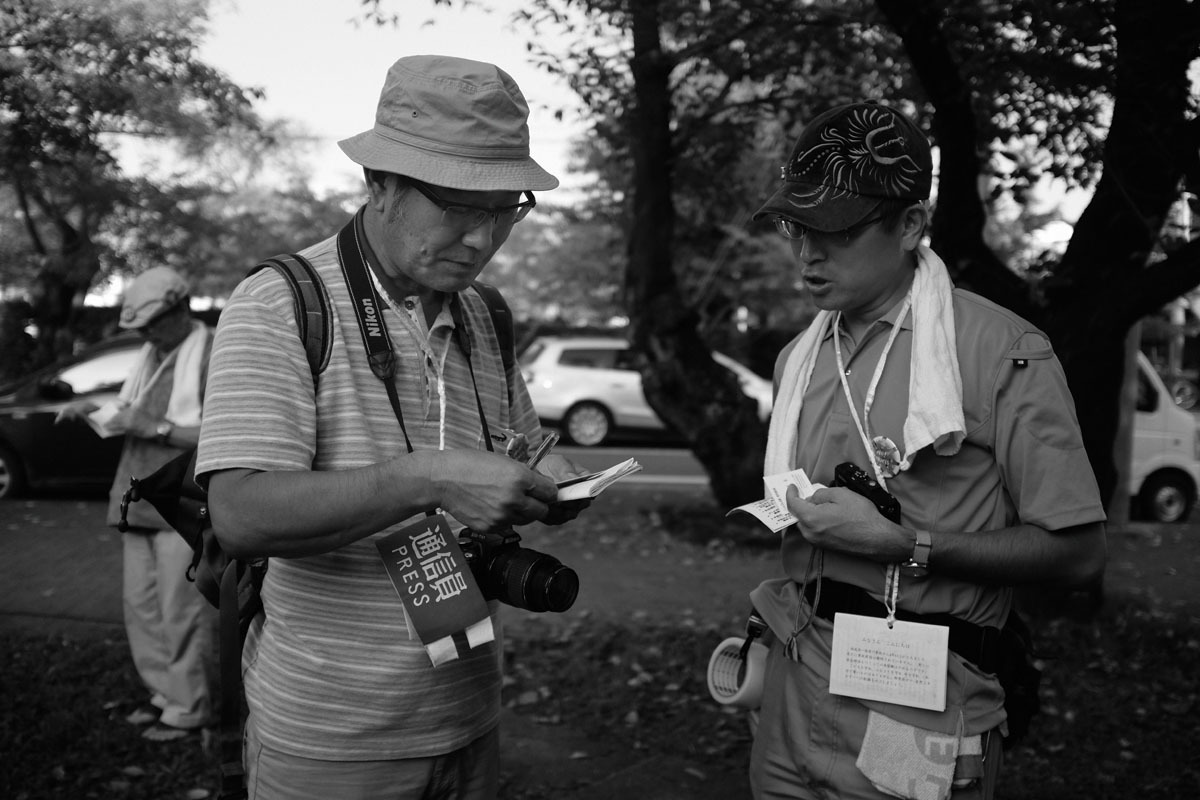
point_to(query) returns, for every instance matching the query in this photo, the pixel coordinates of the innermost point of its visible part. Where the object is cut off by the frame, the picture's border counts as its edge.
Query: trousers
(170, 626)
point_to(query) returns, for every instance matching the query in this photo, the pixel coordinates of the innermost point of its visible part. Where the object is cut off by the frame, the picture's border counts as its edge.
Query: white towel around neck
(183, 409)
(935, 414)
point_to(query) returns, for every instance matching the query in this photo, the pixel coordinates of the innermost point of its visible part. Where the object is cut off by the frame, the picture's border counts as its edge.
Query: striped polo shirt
(334, 672)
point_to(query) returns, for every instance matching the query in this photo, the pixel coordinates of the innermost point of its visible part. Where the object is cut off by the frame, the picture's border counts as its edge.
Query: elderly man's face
(168, 330)
(435, 247)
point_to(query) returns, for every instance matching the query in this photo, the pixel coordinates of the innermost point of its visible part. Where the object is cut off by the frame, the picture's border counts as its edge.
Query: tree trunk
(691, 392)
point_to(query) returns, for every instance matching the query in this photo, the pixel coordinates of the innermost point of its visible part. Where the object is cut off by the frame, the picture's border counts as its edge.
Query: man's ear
(914, 224)
(377, 187)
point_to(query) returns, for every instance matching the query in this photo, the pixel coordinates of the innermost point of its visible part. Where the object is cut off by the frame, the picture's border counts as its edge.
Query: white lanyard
(891, 590)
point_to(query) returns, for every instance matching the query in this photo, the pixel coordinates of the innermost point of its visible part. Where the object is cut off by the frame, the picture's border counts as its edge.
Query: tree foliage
(684, 96)
(77, 79)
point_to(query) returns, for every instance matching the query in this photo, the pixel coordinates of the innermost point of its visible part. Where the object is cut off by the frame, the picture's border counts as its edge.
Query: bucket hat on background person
(846, 162)
(154, 291)
(451, 122)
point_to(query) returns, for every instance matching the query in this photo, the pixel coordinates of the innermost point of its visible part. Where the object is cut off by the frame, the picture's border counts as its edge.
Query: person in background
(171, 627)
(960, 411)
(344, 698)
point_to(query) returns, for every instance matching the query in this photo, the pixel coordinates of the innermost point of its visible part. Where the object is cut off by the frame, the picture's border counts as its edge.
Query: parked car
(1164, 473)
(35, 452)
(590, 388)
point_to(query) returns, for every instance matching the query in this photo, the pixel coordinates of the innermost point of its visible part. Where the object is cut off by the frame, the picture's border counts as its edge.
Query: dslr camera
(852, 477)
(516, 575)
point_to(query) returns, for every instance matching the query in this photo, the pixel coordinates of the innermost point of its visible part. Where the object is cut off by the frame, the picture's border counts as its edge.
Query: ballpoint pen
(548, 441)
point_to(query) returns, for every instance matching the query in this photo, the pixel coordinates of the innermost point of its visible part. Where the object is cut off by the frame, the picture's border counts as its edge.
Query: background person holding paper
(171, 627)
(344, 700)
(961, 410)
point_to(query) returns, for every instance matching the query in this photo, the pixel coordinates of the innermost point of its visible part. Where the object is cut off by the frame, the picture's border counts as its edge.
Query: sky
(322, 70)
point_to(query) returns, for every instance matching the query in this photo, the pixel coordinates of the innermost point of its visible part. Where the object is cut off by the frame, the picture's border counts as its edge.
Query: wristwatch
(163, 431)
(918, 562)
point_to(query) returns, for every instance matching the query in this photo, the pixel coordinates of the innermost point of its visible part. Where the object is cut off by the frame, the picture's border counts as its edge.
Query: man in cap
(171, 628)
(884, 677)
(344, 698)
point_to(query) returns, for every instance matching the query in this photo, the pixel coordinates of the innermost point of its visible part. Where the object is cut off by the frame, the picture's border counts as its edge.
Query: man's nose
(480, 236)
(807, 249)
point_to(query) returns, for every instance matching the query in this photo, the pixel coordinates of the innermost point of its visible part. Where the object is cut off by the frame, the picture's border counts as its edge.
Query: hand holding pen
(543, 449)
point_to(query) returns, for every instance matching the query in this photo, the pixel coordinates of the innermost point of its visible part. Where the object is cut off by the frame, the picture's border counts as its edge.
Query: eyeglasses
(794, 230)
(465, 216)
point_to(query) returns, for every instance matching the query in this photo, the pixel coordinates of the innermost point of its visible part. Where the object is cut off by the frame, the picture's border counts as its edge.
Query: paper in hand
(102, 420)
(587, 486)
(772, 510)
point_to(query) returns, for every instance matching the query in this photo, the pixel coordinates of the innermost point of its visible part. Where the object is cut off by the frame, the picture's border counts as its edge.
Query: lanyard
(891, 592)
(368, 312)
(891, 587)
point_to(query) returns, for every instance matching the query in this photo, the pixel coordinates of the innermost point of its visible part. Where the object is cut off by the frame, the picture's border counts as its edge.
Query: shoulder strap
(311, 304)
(502, 321)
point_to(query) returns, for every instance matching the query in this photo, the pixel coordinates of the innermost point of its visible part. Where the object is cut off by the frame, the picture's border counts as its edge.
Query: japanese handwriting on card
(903, 664)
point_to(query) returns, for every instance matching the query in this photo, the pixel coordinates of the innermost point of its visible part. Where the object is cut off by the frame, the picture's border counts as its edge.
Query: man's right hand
(76, 410)
(486, 491)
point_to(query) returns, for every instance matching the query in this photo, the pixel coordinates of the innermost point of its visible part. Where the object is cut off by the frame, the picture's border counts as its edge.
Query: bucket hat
(156, 290)
(451, 122)
(846, 162)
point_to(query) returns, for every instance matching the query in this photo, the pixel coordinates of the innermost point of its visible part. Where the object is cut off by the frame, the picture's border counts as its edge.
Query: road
(661, 466)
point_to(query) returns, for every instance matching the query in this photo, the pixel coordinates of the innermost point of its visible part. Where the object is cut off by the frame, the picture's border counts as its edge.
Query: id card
(435, 584)
(905, 664)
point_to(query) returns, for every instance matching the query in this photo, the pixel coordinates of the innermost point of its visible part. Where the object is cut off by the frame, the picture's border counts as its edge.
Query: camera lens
(533, 581)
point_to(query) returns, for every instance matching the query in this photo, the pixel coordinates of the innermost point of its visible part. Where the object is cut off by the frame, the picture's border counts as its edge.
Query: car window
(105, 371)
(591, 357)
(531, 353)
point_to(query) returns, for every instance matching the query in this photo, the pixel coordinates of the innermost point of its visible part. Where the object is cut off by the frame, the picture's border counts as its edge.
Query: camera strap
(368, 312)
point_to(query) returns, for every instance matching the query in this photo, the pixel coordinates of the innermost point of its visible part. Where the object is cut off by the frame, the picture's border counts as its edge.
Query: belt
(979, 644)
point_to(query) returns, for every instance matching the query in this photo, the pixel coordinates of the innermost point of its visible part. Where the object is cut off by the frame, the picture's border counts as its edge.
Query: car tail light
(1196, 444)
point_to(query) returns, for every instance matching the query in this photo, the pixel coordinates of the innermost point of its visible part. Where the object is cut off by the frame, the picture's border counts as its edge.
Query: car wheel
(1166, 497)
(12, 476)
(587, 424)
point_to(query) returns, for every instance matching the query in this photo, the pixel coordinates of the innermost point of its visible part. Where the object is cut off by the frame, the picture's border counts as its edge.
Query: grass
(1119, 709)
(1119, 694)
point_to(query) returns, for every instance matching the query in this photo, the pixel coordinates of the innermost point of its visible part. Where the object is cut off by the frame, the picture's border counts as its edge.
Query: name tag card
(430, 573)
(904, 664)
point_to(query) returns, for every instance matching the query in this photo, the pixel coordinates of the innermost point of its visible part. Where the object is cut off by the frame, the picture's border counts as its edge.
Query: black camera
(516, 575)
(847, 474)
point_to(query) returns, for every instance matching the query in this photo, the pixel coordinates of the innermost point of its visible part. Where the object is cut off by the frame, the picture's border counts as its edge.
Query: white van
(1164, 473)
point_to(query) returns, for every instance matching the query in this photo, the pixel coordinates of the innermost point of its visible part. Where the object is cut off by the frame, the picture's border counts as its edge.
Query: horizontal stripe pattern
(334, 672)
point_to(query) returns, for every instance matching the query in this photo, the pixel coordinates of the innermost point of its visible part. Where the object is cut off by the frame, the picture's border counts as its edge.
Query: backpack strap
(502, 321)
(311, 306)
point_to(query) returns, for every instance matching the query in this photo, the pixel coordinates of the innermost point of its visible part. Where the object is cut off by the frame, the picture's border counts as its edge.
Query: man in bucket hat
(170, 626)
(348, 482)
(891, 632)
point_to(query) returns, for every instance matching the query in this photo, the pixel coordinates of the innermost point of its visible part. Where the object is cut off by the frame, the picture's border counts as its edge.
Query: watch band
(918, 562)
(921, 549)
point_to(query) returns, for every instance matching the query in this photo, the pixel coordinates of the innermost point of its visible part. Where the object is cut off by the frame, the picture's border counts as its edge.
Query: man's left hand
(561, 468)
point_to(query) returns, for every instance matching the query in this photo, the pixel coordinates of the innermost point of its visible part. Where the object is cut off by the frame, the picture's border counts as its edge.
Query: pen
(548, 442)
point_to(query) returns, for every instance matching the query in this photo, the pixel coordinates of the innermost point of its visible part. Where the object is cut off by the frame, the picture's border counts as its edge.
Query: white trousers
(172, 629)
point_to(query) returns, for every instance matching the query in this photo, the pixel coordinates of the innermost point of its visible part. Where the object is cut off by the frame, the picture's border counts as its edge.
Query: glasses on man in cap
(464, 216)
(797, 232)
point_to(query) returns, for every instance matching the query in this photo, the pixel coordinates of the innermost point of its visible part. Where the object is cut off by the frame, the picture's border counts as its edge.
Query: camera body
(849, 475)
(516, 575)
